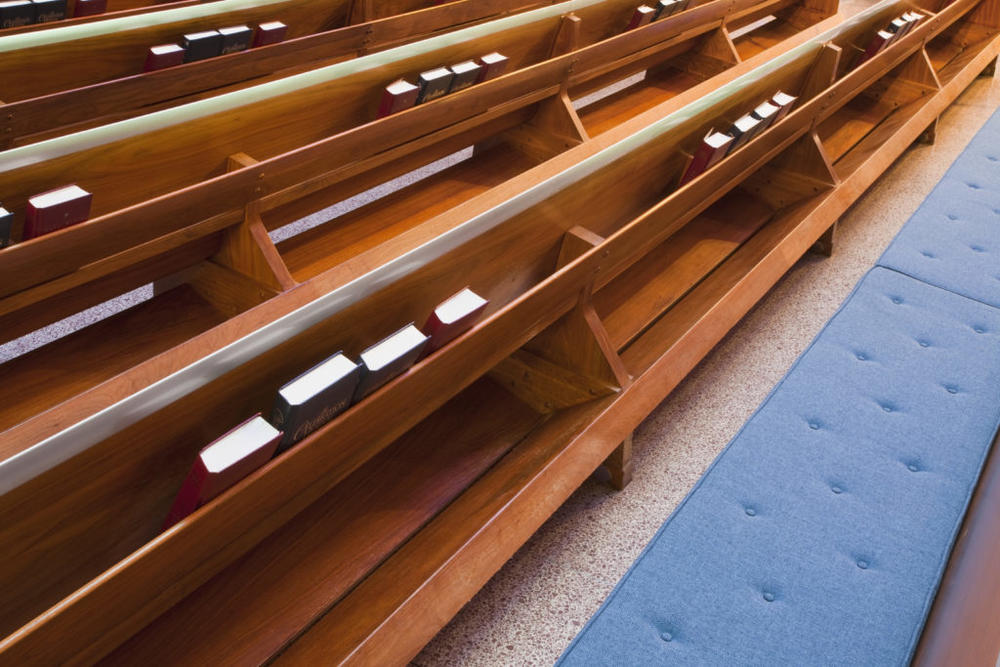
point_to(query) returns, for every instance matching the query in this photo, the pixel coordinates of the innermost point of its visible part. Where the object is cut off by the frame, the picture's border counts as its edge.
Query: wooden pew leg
(619, 464)
(990, 70)
(929, 136)
(824, 244)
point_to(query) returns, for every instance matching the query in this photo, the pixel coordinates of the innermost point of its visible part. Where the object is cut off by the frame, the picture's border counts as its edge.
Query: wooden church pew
(557, 263)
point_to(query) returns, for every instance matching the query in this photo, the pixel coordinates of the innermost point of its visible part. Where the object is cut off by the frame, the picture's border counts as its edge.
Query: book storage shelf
(39, 108)
(109, 84)
(193, 204)
(621, 300)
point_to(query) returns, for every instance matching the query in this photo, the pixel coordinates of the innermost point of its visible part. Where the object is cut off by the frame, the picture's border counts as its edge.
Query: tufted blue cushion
(819, 535)
(953, 240)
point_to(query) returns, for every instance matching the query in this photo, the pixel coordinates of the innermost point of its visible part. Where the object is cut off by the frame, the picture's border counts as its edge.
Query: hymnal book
(202, 45)
(6, 221)
(235, 38)
(396, 97)
(765, 113)
(56, 209)
(163, 56)
(386, 359)
(742, 131)
(434, 83)
(897, 27)
(16, 13)
(224, 463)
(268, 33)
(314, 398)
(466, 73)
(90, 7)
(494, 64)
(713, 148)
(49, 10)
(642, 15)
(877, 43)
(784, 102)
(912, 19)
(453, 317)
(665, 8)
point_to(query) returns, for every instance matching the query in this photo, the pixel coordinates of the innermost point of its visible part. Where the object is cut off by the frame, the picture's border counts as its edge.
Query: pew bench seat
(821, 532)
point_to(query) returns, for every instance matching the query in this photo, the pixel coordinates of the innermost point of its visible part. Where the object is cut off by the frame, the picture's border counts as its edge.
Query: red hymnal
(397, 96)
(784, 102)
(56, 209)
(269, 33)
(452, 317)
(163, 56)
(90, 7)
(881, 40)
(224, 463)
(642, 15)
(494, 64)
(713, 148)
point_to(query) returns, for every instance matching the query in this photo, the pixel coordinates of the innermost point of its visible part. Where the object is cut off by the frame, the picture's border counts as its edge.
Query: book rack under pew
(533, 37)
(562, 312)
(34, 64)
(191, 221)
(111, 9)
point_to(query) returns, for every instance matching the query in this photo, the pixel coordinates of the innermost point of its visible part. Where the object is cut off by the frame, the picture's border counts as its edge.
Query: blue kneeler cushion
(820, 534)
(953, 239)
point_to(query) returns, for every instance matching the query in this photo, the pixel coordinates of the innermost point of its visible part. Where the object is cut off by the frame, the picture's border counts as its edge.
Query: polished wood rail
(115, 9)
(319, 32)
(203, 163)
(627, 298)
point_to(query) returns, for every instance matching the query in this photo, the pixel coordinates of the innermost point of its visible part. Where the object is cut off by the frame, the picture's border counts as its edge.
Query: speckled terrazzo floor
(530, 610)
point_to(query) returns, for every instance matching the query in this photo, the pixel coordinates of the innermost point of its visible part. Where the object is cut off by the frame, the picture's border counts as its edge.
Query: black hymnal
(765, 112)
(202, 45)
(49, 10)
(16, 13)
(386, 359)
(434, 83)
(466, 73)
(665, 8)
(742, 131)
(6, 220)
(235, 38)
(314, 398)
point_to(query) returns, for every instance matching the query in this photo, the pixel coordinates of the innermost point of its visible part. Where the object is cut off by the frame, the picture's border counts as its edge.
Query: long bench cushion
(953, 239)
(819, 535)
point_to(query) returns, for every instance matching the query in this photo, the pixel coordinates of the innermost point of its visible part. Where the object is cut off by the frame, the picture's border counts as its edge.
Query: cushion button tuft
(952, 216)
(980, 330)
(952, 389)
(887, 408)
(927, 254)
(861, 356)
(923, 343)
(769, 596)
(836, 489)
(913, 467)
(666, 636)
(863, 564)
(813, 425)
(897, 300)
(751, 511)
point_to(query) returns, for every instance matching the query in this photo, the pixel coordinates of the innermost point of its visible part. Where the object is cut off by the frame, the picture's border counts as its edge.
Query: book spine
(699, 163)
(282, 416)
(6, 222)
(189, 498)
